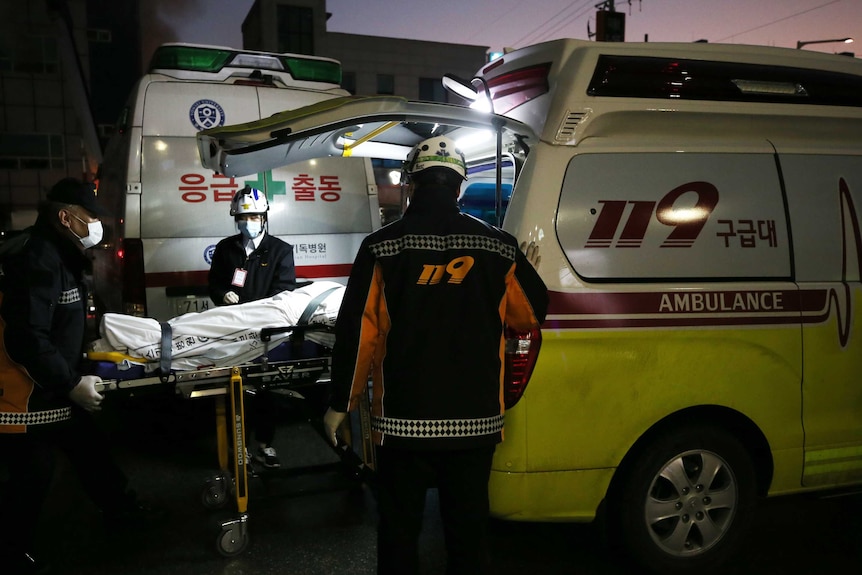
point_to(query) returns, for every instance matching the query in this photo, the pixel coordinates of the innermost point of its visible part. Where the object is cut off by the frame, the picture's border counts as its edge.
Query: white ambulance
(698, 211)
(168, 212)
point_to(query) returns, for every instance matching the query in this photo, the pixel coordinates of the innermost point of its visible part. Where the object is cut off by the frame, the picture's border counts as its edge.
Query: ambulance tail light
(512, 89)
(131, 254)
(522, 350)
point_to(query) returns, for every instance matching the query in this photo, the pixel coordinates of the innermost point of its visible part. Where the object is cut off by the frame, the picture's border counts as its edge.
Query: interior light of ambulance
(522, 350)
(460, 87)
(366, 149)
(482, 103)
(474, 139)
(512, 89)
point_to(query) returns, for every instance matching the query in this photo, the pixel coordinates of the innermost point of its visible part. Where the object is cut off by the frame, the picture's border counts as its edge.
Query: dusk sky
(518, 23)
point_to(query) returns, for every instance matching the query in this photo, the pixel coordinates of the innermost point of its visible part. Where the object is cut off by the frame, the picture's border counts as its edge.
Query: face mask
(249, 229)
(94, 233)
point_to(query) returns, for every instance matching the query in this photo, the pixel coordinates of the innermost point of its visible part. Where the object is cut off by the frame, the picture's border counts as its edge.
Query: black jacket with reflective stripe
(424, 313)
(43, 315)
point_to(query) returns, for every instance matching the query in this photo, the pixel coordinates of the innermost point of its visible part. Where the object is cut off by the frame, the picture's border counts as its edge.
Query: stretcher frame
(228, 386)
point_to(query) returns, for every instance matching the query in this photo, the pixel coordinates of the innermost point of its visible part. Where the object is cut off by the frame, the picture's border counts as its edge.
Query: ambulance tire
(671, 517)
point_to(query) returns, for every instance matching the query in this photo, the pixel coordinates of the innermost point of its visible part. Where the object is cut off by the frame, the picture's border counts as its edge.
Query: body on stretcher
(220, 337)
(289, 363)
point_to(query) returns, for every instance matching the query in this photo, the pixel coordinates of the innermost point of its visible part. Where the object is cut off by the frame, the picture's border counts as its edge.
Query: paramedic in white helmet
(249, 266)
(423, 313)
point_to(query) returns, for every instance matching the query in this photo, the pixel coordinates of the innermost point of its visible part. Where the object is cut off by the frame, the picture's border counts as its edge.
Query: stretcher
(288, 368)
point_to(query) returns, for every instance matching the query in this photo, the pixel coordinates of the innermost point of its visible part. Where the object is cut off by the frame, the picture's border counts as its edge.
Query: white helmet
(437, 152)
(248, 201)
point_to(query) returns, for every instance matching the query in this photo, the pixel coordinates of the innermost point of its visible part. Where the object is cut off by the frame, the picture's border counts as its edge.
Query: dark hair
(437, 176)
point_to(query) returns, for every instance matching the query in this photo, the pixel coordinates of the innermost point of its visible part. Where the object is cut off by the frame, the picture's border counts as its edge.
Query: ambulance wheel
(231, 542)
(685, 499)
(215, 493)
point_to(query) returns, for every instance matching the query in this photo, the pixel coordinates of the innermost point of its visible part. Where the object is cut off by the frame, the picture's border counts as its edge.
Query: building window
(431, 90)
(99, 35)
(385, 84)
(348, 81)
(31, 151)
(295, 29)
(33, 55)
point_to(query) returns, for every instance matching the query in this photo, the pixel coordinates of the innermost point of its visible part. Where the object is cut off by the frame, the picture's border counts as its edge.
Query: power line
(503, 14)
(777, 21)
(543, 24)
(585, 10)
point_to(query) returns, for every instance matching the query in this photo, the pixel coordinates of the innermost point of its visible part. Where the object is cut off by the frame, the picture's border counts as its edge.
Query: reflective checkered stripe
(442, 243)
(437, 428)
(36, 417)
(70, 296)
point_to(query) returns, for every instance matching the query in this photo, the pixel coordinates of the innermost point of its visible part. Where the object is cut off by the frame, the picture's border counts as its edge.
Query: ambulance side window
(674, 216)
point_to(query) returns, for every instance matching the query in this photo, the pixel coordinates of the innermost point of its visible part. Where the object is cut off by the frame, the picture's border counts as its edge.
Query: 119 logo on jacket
(457, 270)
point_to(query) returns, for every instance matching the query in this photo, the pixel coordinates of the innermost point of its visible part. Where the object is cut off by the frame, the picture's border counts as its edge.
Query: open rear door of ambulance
(384, 127)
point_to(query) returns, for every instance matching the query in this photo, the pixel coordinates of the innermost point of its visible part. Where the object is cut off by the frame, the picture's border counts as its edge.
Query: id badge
(238, 277)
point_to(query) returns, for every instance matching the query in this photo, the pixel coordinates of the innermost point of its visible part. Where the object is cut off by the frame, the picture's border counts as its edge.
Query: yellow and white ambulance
(697, 209)
(168, 212)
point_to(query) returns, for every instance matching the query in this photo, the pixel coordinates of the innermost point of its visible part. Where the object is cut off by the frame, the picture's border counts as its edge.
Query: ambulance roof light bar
(193, 61)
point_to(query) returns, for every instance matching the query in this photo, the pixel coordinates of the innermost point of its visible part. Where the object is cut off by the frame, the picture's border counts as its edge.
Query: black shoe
(268, 457)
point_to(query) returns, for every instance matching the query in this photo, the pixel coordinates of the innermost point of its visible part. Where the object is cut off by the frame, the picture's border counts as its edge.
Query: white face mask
(249, 228)
(94, 233)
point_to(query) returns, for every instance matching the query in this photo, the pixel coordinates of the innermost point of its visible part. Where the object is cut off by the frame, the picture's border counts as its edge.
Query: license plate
(191, 304)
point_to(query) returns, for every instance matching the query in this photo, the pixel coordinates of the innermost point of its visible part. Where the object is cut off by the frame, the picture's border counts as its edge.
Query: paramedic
(423, 313)
(249, 266)
(44, 399)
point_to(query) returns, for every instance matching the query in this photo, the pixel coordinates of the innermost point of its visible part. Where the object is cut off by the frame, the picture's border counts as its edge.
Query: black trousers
(30, 459)
(461, 478)
(261, 410)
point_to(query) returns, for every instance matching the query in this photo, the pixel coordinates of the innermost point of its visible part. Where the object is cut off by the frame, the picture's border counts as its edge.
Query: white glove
(531, 251)
(85, 394)
(331, 422)
(231, 297)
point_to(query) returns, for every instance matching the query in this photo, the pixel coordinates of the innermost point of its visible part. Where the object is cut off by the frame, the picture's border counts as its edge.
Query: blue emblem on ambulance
(208, 254)
(206, 114)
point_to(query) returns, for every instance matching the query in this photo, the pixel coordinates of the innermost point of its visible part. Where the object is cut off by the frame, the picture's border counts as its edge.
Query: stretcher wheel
(215, 493)
(232, 542)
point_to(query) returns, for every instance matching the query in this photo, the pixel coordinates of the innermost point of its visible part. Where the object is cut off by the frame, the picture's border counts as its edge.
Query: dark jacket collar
(433, 198)
(72, 257)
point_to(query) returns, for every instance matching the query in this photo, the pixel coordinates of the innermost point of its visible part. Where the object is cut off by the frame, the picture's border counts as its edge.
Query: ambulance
(168, 212)
(697, 208)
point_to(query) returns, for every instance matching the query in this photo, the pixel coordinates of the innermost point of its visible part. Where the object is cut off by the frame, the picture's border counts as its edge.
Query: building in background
(372, 64)
(66, 67)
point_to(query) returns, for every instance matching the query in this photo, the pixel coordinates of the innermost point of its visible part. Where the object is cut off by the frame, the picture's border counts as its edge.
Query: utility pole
(610, 24)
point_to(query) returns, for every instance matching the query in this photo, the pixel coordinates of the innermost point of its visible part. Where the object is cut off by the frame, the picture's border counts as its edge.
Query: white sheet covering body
(222, 336)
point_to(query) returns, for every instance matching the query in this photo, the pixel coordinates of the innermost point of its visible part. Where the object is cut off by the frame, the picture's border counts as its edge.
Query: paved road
(322, 523)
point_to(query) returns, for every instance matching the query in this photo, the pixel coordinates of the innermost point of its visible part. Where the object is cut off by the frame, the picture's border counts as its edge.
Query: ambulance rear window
(673, 78)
